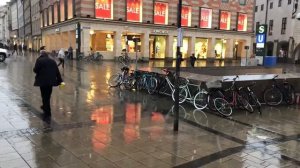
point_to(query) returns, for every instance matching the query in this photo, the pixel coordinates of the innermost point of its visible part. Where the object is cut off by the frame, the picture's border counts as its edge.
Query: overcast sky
(3, 2)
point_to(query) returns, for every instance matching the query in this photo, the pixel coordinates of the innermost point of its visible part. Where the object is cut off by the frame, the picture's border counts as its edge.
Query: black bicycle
(279, 92)
(247, 92)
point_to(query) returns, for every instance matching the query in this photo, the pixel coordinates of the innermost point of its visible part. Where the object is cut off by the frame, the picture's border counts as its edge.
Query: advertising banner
(160, 13)
(104, 9)
(186, 16)
(225, 20)
(242, 22)
(134, 10)
(205, 18)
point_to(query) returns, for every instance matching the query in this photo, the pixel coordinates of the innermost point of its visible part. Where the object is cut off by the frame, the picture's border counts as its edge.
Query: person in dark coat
(47, 76)
(193, 60)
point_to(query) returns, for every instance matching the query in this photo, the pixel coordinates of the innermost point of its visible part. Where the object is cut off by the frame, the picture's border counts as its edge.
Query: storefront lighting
(15, 36)
(108, 36)
(236, 43)
(92, 32)
(224, 41)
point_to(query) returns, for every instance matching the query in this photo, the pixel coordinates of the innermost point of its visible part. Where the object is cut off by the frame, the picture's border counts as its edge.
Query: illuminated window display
(205, 18)
(160, 13)
(242, 22)
(186, 13)
(134, 10)
(225, 20)
(131, 43)
(50, 15)
(101, 41)
(220, 48)
(70, 9)
(104, 9)
(55, 12)
(201, 48)
(183, 49)
(157, 46)
(62, 10)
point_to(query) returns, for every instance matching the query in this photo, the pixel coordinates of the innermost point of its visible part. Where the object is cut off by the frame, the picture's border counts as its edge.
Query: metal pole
(177, 71)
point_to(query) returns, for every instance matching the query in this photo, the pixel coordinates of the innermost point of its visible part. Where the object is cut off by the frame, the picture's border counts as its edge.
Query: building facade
(279, 15)
(216, 29)
(27, 23)
(4, 24)
(36, 25)
(14, 21)
(21, 29)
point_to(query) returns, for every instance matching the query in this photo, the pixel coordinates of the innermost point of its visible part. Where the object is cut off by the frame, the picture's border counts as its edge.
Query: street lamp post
(177, 71)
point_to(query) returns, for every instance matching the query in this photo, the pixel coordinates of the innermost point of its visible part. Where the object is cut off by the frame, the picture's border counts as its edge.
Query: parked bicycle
(247, 92)
(165, 85)
(231, 99)
(124, 59)
(124, 78)
(91, 57)
(279, 92)
(148, 82)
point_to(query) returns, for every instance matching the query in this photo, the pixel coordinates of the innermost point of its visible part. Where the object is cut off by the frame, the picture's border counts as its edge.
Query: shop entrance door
(157, 47)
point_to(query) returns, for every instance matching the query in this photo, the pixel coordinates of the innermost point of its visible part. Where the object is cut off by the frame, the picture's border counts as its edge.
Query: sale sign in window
(225, 20)
(104, 9)
(160, 13)
(242, 22)
(205, 18)
(186, 16)
(134, 10)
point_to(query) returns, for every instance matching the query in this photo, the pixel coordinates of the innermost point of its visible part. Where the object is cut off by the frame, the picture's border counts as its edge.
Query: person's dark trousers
(46, 92)
(61, 62)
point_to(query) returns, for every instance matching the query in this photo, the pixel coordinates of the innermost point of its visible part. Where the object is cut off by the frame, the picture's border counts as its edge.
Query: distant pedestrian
(193, 60)
(47, 76)
(61, 58)
(70, 51)
(15, 49)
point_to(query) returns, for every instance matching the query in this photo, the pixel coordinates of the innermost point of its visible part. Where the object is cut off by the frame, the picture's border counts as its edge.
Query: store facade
(110, 34)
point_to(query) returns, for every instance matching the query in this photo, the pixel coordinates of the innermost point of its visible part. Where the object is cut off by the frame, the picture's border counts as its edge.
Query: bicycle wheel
(244, 103)
(182, 95)
(151, 84)
(200, 100)
(255, 101)
(289, 94)
(140, 83)
(114, 80)
(273, 96)
(223, 107)
(212, 95)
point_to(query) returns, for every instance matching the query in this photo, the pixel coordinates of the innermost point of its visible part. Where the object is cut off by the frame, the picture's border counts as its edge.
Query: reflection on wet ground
(97, 126)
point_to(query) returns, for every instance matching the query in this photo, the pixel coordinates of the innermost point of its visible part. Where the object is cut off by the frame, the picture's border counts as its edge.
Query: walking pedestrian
(193, 59)
(47, 76)
(15, 49)
(61, 58)
(70, 51)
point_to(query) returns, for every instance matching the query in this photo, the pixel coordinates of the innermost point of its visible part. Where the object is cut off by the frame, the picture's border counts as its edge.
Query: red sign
(134, 10)
(103, 9)
(206, 18)
(186, 16)
(225, 20)
(242, 22)
(160, 13)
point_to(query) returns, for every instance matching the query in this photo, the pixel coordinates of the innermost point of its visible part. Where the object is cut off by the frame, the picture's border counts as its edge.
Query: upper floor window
(225, 17)
(242, 22)
(134, 10)
(70, 9)
(279, 3)
(242, 2)
(225, 1)
(262, 7)
(55, 13)
(161, 13)
(186, 15)
(50, 15)
(289, 2)
(270, 27)
(205, 17)
(62, 10)
(283, 26)
(256, 8)
(271, 5)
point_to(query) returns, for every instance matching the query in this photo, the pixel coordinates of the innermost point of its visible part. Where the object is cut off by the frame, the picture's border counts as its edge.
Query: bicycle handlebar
(276, 76)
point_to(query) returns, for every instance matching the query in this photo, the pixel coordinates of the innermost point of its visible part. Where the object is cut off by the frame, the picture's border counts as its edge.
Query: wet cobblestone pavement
(95, 126)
